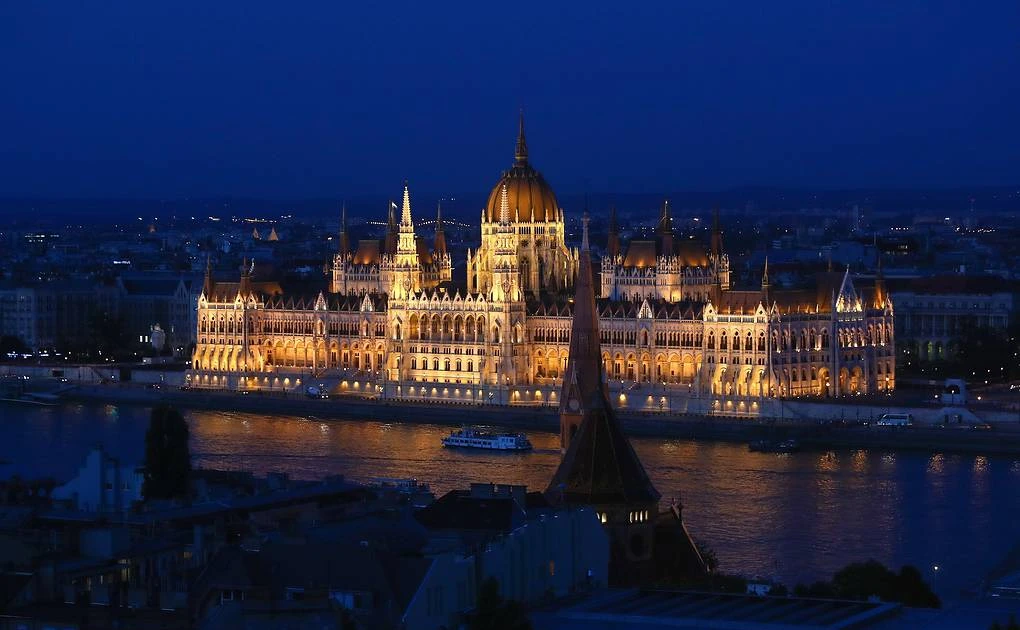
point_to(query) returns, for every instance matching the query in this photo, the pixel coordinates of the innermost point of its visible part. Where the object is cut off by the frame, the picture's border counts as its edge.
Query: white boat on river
(472, 438)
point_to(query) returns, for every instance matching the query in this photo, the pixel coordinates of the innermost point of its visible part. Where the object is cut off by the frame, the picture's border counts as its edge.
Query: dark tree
(1010, 625)
(818, 589)
(10, 343)
(107, 335)
(866, 579)
(167, 455)
(492, 612)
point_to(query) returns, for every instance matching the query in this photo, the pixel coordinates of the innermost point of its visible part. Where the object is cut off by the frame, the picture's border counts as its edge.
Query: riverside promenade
(1000, 439)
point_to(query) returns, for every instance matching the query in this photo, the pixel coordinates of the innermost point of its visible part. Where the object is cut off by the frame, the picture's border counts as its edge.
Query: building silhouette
(600, 468)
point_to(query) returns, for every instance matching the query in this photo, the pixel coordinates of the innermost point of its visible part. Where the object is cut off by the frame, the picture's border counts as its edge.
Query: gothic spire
(584, 232)
(613, 242)
(244, 288)
(599, 466)
(880, 296)
(405, 213)
(344, 245)
(521, 152)
(666, 230)
(207, 285)
(765, 284)
(390, 243)
(716, 244)
(439, 245)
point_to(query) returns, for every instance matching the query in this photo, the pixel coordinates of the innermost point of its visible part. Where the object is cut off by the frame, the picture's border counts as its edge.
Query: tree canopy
(167, 455)
(866, 579)
(492, 612)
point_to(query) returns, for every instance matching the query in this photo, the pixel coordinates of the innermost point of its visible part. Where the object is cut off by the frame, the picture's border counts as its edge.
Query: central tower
(536, 230)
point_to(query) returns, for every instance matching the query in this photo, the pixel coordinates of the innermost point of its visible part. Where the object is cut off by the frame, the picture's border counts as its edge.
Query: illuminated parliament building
(389, 322)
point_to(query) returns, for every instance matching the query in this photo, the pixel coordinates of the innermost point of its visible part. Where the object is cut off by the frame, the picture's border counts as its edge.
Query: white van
(895, 420)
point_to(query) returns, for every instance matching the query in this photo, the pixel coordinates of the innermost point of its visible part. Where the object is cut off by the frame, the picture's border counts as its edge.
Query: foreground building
(600, 469)
(388, 321)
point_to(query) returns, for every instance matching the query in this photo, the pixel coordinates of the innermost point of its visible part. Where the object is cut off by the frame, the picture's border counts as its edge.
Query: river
(795, 517)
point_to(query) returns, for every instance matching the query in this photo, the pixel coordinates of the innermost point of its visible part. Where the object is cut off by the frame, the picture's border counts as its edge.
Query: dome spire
(521, 153)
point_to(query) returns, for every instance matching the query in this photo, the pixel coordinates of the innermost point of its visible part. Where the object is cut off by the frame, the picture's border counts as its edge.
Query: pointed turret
(244, 288)
(207, 284)
(255, 234)
(407, 244)
(880, 296)
(344, 246)
(599, 465)
(665, 230)
(273, 236)
(439, 244)
(390, 243)
(405, 210)
(613, 242)
(600, 468)
(521, 152)
(765, 284)
(716, 244)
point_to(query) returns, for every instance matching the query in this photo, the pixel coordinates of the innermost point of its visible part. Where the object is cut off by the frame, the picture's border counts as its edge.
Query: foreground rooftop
(723, 611)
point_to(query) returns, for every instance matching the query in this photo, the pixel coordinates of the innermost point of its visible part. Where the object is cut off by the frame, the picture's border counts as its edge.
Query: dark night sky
(304, 99)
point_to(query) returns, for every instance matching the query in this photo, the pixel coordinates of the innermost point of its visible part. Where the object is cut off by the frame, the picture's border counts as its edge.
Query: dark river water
(795, 517)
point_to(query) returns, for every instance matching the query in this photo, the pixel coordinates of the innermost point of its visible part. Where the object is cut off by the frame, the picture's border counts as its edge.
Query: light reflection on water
(797, 517)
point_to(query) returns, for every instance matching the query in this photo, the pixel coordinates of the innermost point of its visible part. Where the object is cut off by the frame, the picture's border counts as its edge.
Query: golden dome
(528, 195)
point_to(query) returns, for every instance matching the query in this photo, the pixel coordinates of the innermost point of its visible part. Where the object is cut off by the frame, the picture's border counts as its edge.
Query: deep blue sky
(332, 99)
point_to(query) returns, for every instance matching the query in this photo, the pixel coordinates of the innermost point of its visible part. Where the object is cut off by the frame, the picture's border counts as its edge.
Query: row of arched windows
(445, 364)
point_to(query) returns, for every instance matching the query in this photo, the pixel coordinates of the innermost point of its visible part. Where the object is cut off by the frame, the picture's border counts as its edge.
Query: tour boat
(471, 438)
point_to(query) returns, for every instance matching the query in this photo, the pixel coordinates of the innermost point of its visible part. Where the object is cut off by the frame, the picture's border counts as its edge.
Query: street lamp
(935, 579)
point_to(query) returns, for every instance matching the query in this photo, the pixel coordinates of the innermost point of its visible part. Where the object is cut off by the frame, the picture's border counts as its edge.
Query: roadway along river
(794, 517)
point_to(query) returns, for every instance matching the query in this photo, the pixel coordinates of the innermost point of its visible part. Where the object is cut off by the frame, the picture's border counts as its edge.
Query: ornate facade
(389, 322)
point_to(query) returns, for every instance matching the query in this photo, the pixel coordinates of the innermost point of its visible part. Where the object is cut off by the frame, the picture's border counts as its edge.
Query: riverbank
(740, 430)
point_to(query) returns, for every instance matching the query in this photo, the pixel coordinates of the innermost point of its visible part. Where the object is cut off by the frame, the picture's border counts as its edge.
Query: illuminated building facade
(389, 322)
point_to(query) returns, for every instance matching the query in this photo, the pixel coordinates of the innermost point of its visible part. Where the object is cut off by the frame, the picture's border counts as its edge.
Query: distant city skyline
(125, 100)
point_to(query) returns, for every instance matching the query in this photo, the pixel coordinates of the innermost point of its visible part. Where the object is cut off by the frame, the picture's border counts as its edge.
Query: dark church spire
(599, 466)
(344, 246)
(613, 242)
(439, 244)
(244, 288)
(392, 231)
(716, 244)
(880, 295)
(665, 230)
(207, 285)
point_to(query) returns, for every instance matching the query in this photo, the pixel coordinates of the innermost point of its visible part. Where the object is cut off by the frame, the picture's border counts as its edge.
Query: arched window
(414, 363)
